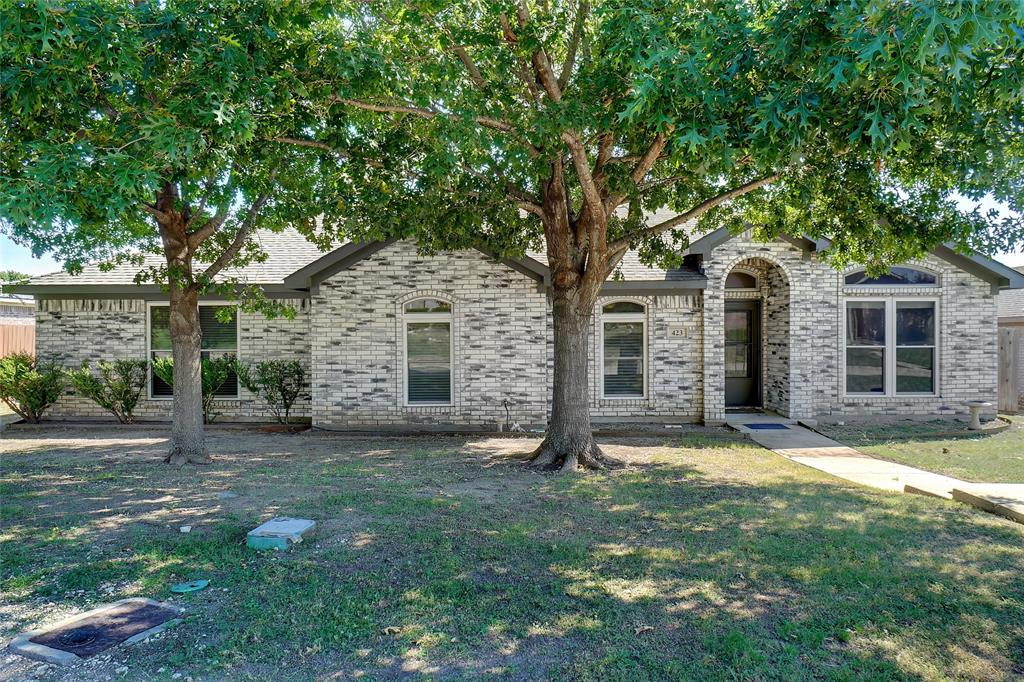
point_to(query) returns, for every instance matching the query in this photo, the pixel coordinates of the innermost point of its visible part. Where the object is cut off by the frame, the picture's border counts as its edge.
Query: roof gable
(995, 273)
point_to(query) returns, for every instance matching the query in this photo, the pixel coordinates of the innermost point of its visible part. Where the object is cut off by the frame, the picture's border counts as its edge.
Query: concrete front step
(1006, 500)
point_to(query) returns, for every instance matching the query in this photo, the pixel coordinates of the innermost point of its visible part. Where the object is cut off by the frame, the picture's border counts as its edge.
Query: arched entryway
(757, 336)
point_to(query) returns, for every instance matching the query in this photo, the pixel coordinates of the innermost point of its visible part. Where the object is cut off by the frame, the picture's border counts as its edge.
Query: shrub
(117, 389)
(215, 371)
(29, 386)
(278, 382)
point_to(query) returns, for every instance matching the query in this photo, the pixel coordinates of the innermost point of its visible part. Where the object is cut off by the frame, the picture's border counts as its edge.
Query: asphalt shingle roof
(632, 270)
(288, 251)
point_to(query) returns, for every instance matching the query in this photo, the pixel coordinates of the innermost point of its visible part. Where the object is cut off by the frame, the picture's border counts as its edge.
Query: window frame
(149, 347)
(891, 345)
(640, 317)
(407, 318)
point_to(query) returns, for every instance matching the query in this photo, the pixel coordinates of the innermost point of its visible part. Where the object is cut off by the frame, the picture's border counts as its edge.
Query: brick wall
(74, 330)
(967, 336)
(350, 335)
(674, 379)
(499, 328)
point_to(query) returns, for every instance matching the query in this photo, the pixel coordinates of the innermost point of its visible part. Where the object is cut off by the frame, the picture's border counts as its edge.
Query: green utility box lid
(279, 533)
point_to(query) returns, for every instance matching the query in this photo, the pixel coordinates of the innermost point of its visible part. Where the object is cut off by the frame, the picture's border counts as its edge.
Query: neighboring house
(17, 324)
(393, 338)
(1011, 349)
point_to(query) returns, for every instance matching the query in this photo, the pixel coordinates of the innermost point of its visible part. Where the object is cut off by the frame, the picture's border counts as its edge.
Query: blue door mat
(767, 427)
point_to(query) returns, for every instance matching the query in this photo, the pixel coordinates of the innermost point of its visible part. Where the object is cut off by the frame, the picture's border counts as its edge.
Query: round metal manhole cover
(79, 636)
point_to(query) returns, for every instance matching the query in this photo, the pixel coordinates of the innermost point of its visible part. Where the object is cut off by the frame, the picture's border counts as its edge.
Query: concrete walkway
(803, 446)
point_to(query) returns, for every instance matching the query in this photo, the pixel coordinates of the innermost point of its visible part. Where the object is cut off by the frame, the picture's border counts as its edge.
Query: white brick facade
(74, 330)
(350, 335)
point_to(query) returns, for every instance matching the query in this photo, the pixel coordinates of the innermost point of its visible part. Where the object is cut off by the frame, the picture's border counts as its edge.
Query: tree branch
(539, 58)
(523, 70)
(244, 231)
(467, 61)
(315, 144)
(485, 121)
(582, 10)
(642, 168)
(579, 159)
(154, 211)
(695, 212)
(201, 234)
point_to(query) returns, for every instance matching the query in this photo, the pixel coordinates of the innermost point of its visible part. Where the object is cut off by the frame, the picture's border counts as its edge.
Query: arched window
(897, 276)
(741, 279)
(428, 352)
(623, 350)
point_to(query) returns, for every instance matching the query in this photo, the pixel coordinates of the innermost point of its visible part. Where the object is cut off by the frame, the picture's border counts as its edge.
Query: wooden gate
(1011, 348)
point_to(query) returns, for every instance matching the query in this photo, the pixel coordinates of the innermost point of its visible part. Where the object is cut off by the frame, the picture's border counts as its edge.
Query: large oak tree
(154, 127)
(510, 124)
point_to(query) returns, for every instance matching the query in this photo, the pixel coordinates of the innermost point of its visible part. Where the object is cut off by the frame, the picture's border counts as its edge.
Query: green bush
(117, 389)
(215, 371)
(278, 382)
(29, 386)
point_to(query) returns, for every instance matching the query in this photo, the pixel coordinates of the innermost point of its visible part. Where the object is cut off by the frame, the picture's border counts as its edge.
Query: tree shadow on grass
(719, 563)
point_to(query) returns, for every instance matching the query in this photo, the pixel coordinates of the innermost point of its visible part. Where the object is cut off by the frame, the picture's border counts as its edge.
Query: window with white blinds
(428, 352)
(623, 347)
(219, 338)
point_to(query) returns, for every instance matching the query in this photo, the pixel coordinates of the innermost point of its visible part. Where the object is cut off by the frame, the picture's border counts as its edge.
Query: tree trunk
(569, 442)
(188, 442)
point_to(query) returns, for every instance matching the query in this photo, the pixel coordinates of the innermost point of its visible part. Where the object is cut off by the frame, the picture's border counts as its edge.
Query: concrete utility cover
(279, 533)
(75, 639)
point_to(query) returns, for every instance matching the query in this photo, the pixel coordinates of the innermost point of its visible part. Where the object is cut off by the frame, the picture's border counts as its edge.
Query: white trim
(890, 347)
(448, 317)
(640, 317)
(149, 350)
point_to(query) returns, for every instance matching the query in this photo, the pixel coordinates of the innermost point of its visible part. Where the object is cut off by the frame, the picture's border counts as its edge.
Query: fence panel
(17, 338)
(1011, 340)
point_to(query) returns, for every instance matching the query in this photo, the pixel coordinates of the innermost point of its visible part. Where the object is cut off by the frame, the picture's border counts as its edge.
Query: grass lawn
(708, 558)
(985, 458)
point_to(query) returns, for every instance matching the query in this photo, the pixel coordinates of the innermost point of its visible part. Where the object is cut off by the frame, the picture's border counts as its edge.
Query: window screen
(428, 352)
(623, 346)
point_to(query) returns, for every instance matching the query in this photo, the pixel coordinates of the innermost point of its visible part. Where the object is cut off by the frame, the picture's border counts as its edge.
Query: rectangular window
(219, 338)
(428, 347)
(865, 347)
(623, 359)
(890, 347)
(915, 347)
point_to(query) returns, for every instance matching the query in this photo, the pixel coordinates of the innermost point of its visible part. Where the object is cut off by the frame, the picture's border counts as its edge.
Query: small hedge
(279, 383)
(30, 386)
(117, 389)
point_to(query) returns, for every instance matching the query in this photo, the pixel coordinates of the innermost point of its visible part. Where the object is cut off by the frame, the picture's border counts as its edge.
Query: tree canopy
(111, 105)
(863, 122)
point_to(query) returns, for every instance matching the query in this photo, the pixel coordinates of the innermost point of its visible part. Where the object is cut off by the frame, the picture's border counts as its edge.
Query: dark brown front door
(742, 353)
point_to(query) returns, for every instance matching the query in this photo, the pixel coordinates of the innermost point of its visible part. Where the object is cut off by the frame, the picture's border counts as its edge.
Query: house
(1011, 349)
(396, 339)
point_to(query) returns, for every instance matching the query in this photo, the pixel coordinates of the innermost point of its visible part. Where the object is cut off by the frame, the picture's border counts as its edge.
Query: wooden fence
(1011, 368)
(17, 338)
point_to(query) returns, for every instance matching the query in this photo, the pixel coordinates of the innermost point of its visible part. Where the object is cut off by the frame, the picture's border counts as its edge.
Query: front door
(742, 353)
